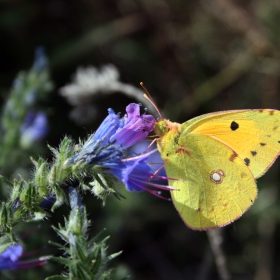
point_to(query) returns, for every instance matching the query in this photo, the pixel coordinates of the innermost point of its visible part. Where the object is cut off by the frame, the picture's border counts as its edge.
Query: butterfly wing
(215, 187)
(253, 134)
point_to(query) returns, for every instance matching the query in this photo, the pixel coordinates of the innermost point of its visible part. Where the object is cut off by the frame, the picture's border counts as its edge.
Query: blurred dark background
(194, 57)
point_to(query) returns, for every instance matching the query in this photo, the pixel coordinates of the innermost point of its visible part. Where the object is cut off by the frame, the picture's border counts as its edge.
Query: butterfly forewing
(253, 134)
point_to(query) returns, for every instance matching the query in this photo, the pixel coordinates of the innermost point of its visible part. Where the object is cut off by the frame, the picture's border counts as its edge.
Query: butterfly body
(216, 159)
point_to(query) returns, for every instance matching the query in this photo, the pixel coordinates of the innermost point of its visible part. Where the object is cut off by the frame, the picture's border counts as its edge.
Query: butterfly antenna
(149, 97)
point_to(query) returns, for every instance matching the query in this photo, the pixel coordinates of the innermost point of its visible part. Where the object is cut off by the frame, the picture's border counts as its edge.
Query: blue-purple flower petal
(107, 128)
(41, 61)
(34, 128)
(9, 258)
(136, 127)
(134, 172)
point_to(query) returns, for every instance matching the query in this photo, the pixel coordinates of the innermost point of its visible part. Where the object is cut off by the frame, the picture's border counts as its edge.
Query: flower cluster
(108, 149)
(109, 157)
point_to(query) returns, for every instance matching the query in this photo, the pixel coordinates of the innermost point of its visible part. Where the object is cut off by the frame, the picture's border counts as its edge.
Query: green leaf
(57, 277)
(61, 260)
(113, 256)
(6, 181)
(67, 250)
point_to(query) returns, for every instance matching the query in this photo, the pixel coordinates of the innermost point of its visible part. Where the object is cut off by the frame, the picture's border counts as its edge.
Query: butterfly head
(163, 126)
(160, 127)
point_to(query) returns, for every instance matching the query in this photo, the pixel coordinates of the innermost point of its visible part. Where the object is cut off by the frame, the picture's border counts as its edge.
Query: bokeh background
(195, 57)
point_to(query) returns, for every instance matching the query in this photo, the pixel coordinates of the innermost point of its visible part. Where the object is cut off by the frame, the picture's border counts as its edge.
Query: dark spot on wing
(253, 153)
(247, 161)
(197, 210)
(183, 150)
(275, 127)
(233, 156)
(262, 144)
(271, 112)
(234, 125)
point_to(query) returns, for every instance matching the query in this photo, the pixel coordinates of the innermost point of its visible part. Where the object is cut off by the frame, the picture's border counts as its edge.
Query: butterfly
(217, 158)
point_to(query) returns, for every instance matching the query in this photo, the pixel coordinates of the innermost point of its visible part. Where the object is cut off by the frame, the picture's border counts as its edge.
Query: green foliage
(85, 258)
(28, 89)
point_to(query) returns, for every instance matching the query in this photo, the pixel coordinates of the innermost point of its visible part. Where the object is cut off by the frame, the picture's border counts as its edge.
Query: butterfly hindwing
(215, 187)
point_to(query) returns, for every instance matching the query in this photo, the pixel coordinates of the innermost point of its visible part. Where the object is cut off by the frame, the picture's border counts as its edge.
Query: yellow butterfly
(217, 158)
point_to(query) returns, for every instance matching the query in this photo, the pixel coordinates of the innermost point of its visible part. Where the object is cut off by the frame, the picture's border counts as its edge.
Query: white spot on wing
(217, 176)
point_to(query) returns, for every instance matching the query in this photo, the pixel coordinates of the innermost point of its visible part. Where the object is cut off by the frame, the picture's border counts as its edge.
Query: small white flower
(88, 82)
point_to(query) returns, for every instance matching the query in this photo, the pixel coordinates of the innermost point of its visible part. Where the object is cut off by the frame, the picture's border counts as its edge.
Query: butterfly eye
(161, 127)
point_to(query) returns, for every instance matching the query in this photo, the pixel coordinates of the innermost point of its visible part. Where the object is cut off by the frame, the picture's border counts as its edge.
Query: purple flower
(114, 136)
(136, 127)
(9, 259)
(108, 148)
(137, 175)
(154, 158)
(41, 61)
(34, 128)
